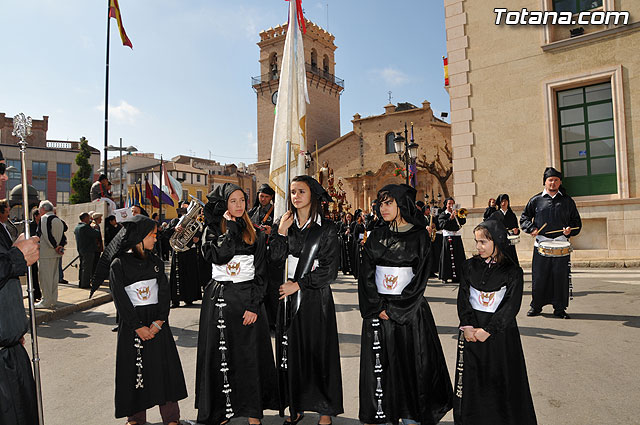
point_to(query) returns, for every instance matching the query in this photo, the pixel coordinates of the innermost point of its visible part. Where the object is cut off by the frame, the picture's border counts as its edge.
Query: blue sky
(185, 88)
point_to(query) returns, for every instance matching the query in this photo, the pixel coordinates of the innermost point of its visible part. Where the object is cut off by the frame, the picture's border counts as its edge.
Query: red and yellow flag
(445, 62)
(114, 12)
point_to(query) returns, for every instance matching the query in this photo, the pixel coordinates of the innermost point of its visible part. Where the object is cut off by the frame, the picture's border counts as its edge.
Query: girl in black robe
(307, 349)
(235, 373)
(403, 373)
(491, 384)
(345, 245)
(510, 222)
(148, 369)
(452, 255)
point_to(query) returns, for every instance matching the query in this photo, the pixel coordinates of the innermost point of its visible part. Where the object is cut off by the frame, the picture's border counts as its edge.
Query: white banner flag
(291, 109)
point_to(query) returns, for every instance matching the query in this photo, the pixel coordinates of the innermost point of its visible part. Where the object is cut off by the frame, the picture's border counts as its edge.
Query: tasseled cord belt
(226, 387)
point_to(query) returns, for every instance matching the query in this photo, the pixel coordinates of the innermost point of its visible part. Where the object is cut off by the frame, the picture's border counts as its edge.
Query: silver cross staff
(22, 129)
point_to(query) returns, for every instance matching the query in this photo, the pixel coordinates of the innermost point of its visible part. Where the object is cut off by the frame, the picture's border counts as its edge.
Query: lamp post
(407, 149)
(120, 149)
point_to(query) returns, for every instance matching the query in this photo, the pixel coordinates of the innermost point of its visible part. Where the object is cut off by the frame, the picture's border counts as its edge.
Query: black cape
(415, 382)
(248, 358)
(491, 384)
(162, 370)
(314, 376)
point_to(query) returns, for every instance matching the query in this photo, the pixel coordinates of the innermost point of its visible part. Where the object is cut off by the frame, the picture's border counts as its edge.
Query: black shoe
(175, 305)
(295, 421)
(114, 329)
(561, 314)
(63, 281)
(534, 312)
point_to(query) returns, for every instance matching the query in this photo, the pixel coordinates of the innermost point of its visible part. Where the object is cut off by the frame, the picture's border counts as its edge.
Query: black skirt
(162, 375)
(403, 373)
(242, 382)
(451, 258)
(491, 385)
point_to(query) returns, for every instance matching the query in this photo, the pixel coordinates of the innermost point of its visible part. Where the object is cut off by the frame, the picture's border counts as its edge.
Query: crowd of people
(260, 276)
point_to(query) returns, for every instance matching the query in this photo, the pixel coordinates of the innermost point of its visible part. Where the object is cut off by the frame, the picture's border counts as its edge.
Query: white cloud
(123, 113)
(391, 76)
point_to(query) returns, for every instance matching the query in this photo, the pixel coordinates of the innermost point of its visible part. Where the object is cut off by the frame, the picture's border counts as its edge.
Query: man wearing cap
(99, 188)
(554, 209)
(261, 214)
(51, 250)
(86, 243)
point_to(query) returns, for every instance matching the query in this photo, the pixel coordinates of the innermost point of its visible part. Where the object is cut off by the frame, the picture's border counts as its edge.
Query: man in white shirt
(51, 250)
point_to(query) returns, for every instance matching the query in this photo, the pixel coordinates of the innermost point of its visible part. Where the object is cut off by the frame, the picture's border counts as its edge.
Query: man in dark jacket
(87, 239)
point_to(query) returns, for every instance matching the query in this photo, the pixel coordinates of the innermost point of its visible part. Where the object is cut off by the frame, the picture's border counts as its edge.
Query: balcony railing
(274, 76)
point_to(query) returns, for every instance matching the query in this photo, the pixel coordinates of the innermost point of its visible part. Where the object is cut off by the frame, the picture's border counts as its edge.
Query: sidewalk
(70, 299)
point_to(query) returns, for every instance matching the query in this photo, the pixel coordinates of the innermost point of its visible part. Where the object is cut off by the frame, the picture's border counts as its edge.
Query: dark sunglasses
(3, 168)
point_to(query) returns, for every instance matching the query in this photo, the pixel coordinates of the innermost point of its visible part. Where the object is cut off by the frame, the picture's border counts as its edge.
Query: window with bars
(575, 6)
(39, 178)
(587, 142)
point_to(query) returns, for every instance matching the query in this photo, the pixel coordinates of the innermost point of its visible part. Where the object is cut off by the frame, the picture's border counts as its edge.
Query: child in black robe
(148, 368)
(403, 373)
(491, 384)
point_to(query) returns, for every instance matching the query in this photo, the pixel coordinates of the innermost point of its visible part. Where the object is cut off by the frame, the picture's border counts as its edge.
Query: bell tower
(323, 110)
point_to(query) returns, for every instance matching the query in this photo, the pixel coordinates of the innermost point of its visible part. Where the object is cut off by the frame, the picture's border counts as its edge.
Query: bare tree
(437, 169)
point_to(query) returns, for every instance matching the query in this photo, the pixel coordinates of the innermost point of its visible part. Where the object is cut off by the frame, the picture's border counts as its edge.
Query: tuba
(191, 224)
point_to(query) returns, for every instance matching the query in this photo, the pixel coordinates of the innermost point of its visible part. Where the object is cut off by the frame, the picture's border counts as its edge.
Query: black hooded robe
(358, 230)
(403, 373)
(314, 375)
(491, 384)
(550, 275)
(235, 372)
(185, 277)
(18, 405)
(510, 221)
(162, 374)
(452, 255)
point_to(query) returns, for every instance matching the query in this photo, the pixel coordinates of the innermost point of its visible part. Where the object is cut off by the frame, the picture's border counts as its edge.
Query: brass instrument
(459, 213)
(432, 227)
(192, 222)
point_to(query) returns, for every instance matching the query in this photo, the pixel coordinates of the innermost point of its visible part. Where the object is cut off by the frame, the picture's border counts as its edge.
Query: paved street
(582, 371)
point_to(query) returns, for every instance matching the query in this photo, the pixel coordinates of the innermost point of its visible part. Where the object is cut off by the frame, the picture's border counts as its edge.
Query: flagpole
(160, 194)
(106, 91)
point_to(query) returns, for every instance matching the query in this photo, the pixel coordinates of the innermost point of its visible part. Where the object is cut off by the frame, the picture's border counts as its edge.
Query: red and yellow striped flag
(114, 12)
(445, 62)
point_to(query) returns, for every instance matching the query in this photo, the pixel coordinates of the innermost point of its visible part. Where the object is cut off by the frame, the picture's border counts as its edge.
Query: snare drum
(554, 248)
(513, 239)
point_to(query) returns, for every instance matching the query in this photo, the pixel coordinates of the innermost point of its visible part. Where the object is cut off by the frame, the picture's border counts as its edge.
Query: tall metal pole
(160, 194)
(406, 154)
(121, 173)
(21, 129)
(106, 92)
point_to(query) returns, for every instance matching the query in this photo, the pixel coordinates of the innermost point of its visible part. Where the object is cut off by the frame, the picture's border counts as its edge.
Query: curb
(48, 316)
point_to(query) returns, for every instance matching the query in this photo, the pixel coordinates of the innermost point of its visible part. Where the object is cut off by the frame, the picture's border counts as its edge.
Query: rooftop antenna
(328, 17)
(389, 96)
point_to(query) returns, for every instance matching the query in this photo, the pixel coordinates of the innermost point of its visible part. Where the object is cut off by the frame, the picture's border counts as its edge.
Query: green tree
(81, 181)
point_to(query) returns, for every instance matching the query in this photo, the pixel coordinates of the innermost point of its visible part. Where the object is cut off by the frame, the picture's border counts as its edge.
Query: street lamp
(407, 152)
(120, 149)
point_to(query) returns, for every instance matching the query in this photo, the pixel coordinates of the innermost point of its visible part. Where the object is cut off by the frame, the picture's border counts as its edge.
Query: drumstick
(562, 230)
(543, 226)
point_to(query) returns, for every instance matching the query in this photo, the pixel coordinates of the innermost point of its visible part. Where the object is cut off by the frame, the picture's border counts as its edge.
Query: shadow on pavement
(185, 337)
(544, 333)
(585, 293)
(343, 308)
(350, 289)
(66, 327)
(631, 321)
